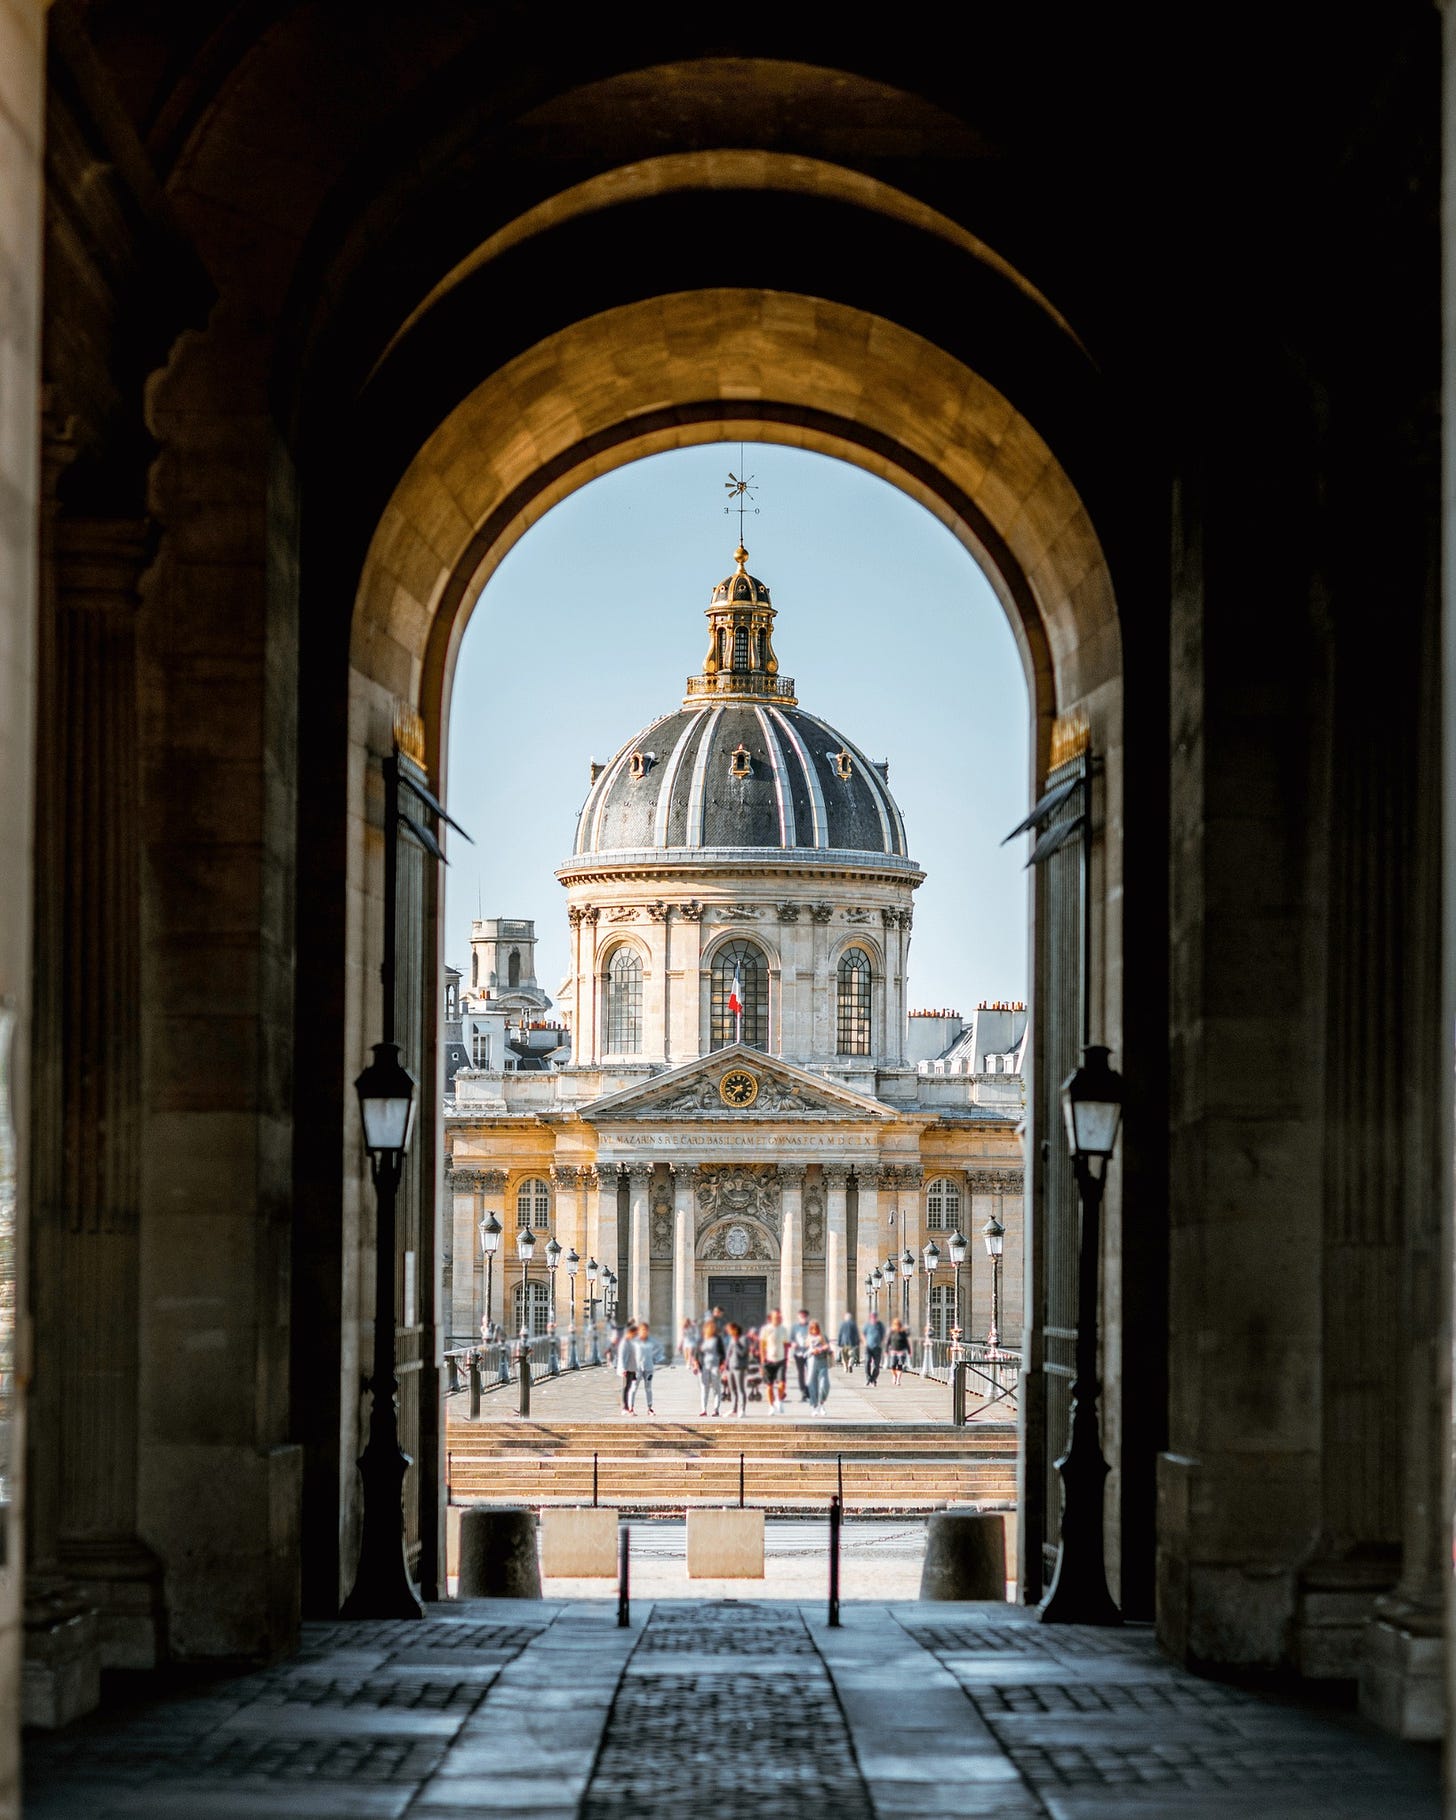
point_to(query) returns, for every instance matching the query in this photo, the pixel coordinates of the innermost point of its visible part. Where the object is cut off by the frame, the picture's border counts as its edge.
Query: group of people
(743, 1365)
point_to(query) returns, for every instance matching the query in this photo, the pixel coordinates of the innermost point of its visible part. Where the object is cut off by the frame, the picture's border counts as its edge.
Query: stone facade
(817, 1172)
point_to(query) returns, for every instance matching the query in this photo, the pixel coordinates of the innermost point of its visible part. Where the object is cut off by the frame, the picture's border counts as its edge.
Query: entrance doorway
(742, 1299)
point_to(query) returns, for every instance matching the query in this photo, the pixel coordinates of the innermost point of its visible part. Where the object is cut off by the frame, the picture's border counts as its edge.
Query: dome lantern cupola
(740, 659)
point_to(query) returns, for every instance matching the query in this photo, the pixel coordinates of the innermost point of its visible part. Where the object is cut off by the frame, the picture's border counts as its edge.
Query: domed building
(746, 1119)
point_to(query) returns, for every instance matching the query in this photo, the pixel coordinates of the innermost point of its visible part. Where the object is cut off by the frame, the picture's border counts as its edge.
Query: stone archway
(724, 364)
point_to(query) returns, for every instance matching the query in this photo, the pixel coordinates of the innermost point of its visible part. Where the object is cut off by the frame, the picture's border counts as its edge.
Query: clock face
(738, 1087)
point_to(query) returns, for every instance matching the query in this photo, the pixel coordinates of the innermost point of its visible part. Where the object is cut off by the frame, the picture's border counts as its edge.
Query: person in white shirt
(774, 1340)
(649, 1357)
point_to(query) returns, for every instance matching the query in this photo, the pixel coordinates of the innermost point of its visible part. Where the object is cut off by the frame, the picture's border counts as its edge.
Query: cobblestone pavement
(544, 1711)
(596, 1395)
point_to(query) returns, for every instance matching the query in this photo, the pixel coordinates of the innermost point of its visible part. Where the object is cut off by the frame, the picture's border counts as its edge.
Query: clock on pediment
(738, 1088)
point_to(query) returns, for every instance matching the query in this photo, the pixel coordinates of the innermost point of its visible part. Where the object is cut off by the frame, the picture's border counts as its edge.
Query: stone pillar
(791, 1242)
(836, 1239)
(684, 1215)
(638, 1288)
(22, 56)
(88, 1109)
(568, 1185)
(602, 1183)
(869, 1240)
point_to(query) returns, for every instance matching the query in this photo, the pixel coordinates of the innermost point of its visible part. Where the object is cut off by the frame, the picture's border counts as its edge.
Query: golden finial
(740, 556)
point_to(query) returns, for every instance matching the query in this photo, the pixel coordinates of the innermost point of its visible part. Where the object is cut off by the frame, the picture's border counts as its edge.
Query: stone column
(684, 1180)
(568, 1182)
(88, 1109)
(791, 1242)
(870, 1246)
(836, 1259)
(602, 1181)
(638, 1288)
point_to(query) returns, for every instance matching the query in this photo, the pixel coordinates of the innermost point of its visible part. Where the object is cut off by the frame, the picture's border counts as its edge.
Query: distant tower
(503, 959)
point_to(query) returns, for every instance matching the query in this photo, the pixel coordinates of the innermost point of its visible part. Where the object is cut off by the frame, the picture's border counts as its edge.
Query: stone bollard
(965, 1556)
(498, 1554)
(475, 1386)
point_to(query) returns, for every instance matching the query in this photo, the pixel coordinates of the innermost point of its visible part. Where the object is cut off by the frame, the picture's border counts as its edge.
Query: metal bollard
(525, 1382)
(624, 1578)
(740, 1481)
(475, 1386)
(836, 1517)
(958, 1395)
(594, 1479)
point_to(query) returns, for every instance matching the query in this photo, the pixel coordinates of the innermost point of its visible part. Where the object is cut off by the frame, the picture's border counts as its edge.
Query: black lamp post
(931, 1254)
(490, 1238)
(593, 1271)
(573, 1264)
(609, 1293)
(382, 1586)
(1092, 1108)
(525, 1250)
(907, 1271)
(994, 1233)
(877, 1283)
(553, 1260)
(957, 1246)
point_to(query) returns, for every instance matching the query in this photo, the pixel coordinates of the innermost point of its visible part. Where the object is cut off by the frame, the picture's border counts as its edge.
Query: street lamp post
(907, 1271)
(593, 1271)
(994, 1233)
(525, 1250)
(490, 1238)
(1092, 1108)
(553, 1260)
(931, 1254)
(958, 1247)
(573, 1264)
(609, 1294)
(382, 1586)
(877, 1283)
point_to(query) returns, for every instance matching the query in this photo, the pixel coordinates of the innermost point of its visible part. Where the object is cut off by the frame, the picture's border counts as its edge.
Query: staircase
(668, 1466)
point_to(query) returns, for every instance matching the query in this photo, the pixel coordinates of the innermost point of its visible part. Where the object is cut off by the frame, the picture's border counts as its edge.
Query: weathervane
(740, 492)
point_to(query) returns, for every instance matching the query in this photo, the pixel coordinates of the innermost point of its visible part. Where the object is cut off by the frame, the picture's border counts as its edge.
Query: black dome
(740, 775)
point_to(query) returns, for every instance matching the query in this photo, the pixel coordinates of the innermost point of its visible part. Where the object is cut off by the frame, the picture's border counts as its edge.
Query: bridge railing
(497, 1359)
(993, 1373)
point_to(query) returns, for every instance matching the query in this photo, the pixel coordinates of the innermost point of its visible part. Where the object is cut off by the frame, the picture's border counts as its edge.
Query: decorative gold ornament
(738, 1088)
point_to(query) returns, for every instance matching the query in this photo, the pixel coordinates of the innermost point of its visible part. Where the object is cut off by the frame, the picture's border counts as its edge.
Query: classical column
(602, 1231)
(836, 1239)
(684, 1181)
(791, 1243)
(638, 1288)
(88, 1156)
(869, 1247)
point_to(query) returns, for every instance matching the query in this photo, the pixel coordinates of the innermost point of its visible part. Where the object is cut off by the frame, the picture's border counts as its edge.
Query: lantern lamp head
(958, 1246)
(490, 1235)
(386, 1091)
(1092, 1106)
(526, 1244)
(994, 1233)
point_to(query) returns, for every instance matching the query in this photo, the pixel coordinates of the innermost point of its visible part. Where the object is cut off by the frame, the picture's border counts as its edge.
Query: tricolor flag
(735, 998)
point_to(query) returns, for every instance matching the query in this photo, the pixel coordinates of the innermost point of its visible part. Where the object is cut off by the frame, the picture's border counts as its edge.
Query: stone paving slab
(547, 1711)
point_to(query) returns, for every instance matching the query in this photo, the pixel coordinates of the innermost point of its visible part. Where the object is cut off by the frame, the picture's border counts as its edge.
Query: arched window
(942, 1310)
(513, 968)
(854, 1003)
(943, 1205)
(744, 963)
(533, 1202)
(624, 1003)
(535, 1316)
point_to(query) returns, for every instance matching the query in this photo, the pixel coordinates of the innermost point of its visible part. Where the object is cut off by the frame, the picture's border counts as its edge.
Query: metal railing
(496, 1359)
(993, 1373)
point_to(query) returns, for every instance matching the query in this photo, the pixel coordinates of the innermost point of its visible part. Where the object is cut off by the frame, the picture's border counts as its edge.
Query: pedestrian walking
(626, 1363)
(801, 1352)
(774, 1341)
(735, 1370)
(649, 1357)
(897, 1350)
(874, 1348)
(820, 1356)
(687, 1343)
(710, 1370)
(848, 1342)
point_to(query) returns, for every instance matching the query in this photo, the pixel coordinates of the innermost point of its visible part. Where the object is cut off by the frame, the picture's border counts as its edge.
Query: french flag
(735, 996)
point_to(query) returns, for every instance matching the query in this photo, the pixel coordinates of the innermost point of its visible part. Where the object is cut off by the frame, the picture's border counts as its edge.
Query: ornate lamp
(525, 1250)
(994, 1233)
(1092, 1109)
(931, 1255)
(957, 1245)
(573, 1264)
(593, 1271)
(553, 1260)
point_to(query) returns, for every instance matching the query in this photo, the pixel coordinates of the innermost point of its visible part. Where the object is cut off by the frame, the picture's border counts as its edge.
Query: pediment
(692, 1093)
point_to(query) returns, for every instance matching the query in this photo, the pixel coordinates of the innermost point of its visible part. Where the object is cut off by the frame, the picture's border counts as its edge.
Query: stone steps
(898, 1441)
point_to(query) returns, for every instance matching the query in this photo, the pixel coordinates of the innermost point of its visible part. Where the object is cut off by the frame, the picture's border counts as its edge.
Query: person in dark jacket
(735, 1369)
(848, 1342)
(801, 1352)
(874, 1345)
(710, 1369)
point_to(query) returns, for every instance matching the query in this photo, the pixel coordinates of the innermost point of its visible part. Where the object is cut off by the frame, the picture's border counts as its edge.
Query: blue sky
(589, 627)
